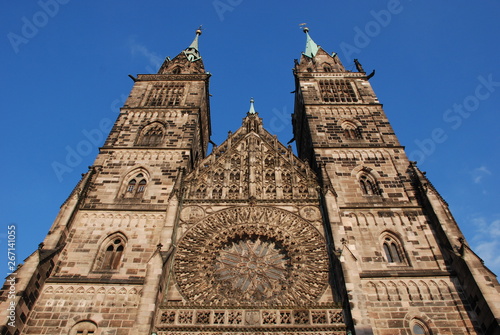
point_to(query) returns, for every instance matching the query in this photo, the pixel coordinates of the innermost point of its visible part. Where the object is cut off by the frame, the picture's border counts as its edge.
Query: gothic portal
(160, 238)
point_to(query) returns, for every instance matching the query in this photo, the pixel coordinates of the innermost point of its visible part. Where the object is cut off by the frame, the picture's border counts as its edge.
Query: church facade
(347, 237)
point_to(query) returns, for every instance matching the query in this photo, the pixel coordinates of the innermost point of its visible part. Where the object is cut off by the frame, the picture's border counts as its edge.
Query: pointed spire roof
(311, 47)
(192, 53)
(252, 109)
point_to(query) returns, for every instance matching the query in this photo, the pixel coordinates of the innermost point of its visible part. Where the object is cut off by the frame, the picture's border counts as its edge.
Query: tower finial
(198, 31)
(192, 53)
(311, 47)
(252, 109)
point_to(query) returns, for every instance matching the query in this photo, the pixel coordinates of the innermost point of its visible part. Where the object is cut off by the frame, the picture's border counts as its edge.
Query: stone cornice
(88, 280)
(178, 77)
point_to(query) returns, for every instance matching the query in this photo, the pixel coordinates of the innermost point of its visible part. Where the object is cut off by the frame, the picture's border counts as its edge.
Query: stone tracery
(252, 255)
(251, 163)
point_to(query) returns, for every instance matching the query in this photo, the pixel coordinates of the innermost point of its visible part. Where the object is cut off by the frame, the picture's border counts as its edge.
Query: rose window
(254, 268)
(251, 255)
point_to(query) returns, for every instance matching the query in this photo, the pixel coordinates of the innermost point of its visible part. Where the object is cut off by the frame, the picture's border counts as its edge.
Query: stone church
(348, 237)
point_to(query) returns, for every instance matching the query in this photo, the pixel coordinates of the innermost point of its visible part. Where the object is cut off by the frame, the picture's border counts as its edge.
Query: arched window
(327, 68)
(303, 191)
(135, 189)
(113, 255)
(131, 185)
(392, 250)
(142, 186)
(286, 177)
(419, 328)
(271, 192)
(351, 131)
(234, 176)
(368, 185)
(233, 192)
(270, 176)
(176, 70)
(200, 192)
(218, 176)
(217, 192)
(269, 162)
(152, 135)
(235, 161)
(112, 252)
(84, 328)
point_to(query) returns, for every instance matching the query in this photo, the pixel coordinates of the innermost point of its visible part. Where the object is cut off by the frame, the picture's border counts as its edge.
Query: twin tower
(160, 238)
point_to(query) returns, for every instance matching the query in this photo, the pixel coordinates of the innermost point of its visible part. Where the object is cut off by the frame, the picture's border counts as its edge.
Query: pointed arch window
(235, 161)
(234, 176)
(303, 191)
(271, 192)
(269, 162)
(270, 177)
(368, 185)
(151, 135)
(287, 192)
(233, 192)
(200, 192)
(351, 131)
(392, 250)
(131, 185)
(136, 189)
(286, 177)
(111, 254)
(219, 176)
(142, 186)
(327, 68)
(176, 70)
(217, 192)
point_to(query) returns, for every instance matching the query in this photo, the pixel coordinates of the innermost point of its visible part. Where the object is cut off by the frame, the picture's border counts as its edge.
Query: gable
(251, 164)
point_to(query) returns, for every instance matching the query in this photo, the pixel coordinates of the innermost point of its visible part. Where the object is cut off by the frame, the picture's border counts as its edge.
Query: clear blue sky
(65, 65)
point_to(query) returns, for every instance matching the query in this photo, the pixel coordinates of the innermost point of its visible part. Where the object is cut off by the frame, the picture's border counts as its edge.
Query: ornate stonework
(252, 255)
(251, 165)
(251, 321)
(192, 213)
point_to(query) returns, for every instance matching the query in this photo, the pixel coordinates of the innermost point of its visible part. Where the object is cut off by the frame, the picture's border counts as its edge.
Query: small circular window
(419, 328)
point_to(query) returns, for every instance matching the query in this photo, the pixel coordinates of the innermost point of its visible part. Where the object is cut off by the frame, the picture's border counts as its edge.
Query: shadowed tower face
(397, 239)
(347, 238)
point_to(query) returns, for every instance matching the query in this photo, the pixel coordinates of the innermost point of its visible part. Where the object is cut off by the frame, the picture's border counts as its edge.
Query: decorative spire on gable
(251, 166)
(311, 47)
(252, 109)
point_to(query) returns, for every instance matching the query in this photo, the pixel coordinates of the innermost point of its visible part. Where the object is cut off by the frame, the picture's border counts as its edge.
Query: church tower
(100, 267)
(406, 266)
(160, 237)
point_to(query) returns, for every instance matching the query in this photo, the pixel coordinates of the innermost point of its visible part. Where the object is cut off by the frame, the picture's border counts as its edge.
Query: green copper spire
(311, 47)
(252, 109)
(192, 52)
